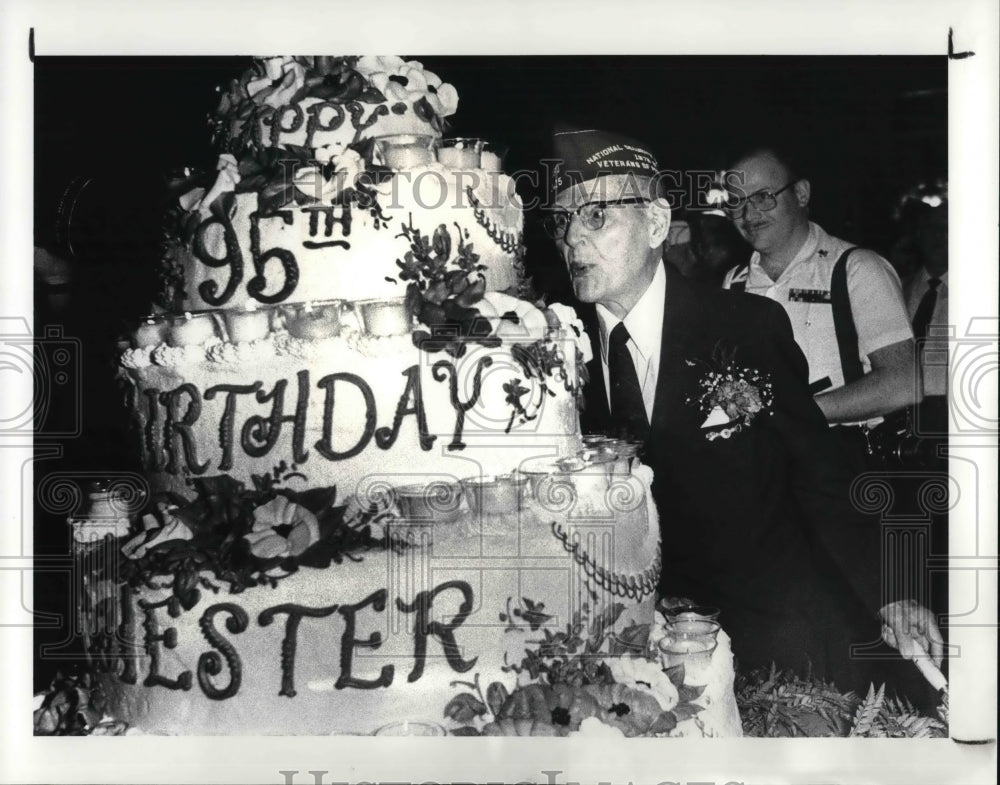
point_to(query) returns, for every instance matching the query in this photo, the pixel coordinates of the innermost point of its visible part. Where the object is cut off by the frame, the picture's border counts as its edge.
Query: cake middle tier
(355, 411)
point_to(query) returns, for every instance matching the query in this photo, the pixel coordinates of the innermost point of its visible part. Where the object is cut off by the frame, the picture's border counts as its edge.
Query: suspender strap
(843, 321)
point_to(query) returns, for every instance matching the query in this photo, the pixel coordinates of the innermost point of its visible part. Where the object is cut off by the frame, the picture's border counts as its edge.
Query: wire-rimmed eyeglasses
(763, 200)
(592, 214)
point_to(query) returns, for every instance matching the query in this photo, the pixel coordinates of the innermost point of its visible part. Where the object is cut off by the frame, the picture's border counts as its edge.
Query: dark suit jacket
(759, 524)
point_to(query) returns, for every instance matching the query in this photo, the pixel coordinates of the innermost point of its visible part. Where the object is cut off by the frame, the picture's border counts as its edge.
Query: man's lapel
(682, 323)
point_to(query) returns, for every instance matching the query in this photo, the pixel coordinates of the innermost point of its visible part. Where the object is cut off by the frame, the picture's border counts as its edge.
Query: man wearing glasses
(861, 361)
(754, 504)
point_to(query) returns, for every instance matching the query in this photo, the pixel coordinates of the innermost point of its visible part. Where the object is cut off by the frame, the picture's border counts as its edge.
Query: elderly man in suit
(754, 506)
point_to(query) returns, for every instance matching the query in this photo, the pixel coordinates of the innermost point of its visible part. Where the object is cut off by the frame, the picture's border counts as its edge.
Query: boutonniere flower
(731, 396)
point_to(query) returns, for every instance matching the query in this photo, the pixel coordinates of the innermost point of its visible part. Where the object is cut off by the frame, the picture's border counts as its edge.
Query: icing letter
(154, 454)
(276, 121)
(348, 643)
(445, 633)
(336, 214)
(175, 429)
(209, 663)
(325, 445)
(169, 639)
(443, 369)
(226, 423)
(290, 641)
(126, 632)
(314, 123)
(386, 437)
(260, 434)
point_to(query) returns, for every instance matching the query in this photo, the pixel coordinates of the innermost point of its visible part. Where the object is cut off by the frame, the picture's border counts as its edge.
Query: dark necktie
(627, 409)
(925, 310)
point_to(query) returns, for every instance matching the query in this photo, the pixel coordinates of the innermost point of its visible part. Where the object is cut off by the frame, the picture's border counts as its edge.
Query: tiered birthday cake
(370, 500)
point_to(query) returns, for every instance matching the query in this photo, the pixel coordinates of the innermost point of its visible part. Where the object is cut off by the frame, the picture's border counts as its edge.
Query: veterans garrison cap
(586, 155)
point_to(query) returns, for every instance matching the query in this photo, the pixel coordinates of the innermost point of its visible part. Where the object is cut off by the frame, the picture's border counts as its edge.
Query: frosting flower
(568, 320)
(646, 677)
(157, 533)
(281, 528)
(406, 81)
(267, 90)
(225, 182)
(348, 167)
(531, 323)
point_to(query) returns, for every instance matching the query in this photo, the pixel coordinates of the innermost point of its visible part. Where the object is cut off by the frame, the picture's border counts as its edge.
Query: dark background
(864, 129)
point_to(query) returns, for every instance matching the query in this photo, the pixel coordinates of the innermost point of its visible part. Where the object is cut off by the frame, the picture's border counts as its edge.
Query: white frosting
(172, 356)
(137, 358)
(241, 353)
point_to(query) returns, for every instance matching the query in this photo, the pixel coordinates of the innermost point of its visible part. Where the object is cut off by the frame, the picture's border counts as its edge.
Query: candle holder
(501, 495)
(249, 324)
(689, 629)
(151, 333)
(191, 330)
(491, 158)
(552, 484)
(691, 613)
(460, 153)
(411, 728)
(436, 502)
(405, 151)
(311, 321)
(689, 652)
(384, 318)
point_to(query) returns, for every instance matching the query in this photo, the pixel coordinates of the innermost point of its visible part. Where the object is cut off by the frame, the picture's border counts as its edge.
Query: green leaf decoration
(535, 619)
(465, 730)
(688, 693)
(464, 708)
(442, 243)
(676, 675)
(684, 711)
(424, 110)
(665, 723)
(496, 695)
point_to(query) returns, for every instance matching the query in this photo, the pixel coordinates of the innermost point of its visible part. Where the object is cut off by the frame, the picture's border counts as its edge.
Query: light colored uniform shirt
(934, 353)
(803, 290)
(645, 328)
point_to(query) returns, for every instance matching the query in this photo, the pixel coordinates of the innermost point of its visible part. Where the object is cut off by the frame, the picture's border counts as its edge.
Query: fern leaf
(867, 714)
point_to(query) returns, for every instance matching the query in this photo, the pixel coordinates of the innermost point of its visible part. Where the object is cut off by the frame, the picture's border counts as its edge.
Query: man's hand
(910, 628)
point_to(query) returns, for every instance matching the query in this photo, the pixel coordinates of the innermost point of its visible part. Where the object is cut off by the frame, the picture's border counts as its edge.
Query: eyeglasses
(556, 223)
(761, 200)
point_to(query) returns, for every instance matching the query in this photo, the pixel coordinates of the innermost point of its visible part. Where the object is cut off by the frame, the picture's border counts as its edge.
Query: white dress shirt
(803, 290)
(645, 328)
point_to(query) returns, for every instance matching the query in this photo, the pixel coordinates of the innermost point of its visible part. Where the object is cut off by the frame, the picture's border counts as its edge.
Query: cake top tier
(323, 104)
(333, 183)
